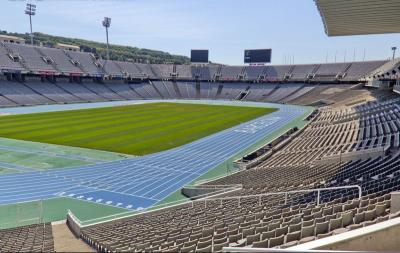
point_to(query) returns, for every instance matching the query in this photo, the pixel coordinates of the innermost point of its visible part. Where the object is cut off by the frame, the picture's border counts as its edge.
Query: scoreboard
(199, 56)
(257, 56)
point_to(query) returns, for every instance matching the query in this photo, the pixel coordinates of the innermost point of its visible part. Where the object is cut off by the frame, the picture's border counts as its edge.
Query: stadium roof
(356, 17)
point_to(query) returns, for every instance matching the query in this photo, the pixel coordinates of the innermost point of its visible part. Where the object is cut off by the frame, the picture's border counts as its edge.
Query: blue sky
(292, 28)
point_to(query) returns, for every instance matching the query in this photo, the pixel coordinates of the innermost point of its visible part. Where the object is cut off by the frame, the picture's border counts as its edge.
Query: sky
(291, 28)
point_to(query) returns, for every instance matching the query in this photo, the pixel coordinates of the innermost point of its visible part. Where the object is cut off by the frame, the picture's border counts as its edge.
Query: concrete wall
(383, 236)
(351, 156)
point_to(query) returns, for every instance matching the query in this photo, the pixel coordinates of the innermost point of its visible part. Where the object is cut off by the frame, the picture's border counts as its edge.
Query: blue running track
(141, 182)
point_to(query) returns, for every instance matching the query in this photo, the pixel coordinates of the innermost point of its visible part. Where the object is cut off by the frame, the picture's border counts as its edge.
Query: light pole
(30, 11)
(106, 24)
(394, 52)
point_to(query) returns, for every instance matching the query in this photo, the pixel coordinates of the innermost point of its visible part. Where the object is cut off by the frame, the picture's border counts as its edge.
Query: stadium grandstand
(119, 156)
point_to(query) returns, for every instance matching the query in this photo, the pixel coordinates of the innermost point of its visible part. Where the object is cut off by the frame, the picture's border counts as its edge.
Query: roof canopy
(356, 17)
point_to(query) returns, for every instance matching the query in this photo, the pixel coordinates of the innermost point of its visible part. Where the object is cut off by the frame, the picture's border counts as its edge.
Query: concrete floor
(65, 241)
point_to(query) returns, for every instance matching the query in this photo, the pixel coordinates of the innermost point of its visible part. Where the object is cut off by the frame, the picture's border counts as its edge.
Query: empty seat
(204, 244)
(322, 228)
(347, 218)
(253, 238)
(276, 241)
(267, 235)
(188, 248)
(281, 231)
(294, 228)
(261, 244)
(335, 223)
(294, 236)
(206, 249)
(307, 231)
(219, 247)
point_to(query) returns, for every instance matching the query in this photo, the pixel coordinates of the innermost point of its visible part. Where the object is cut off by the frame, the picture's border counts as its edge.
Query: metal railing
(74, 223)
(286, 194)
(155, 208)
(206, 198)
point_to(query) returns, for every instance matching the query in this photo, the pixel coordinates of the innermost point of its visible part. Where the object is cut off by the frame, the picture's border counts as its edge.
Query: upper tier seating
(231, 72)
(162, 71)
(274, 73)
(61, 61)
(43, 59)
(146, 70)
(359, 70)
(184, 71)
(213, 70)
(300, 72)
(130, 69)
(385, 70)
(201, 72)
(331, 70)
(111, 68)
(6, 62)
(31, 57)
(254, 72)
(86, 62)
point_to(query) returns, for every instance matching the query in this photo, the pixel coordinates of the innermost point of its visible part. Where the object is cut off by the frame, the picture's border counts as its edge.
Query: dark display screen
(257, 56)
(199, 56)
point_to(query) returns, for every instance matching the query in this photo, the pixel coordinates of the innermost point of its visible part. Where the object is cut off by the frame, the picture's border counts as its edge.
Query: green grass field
(134, 129)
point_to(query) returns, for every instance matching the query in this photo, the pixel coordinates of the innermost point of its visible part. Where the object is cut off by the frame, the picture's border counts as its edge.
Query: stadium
(117, 155)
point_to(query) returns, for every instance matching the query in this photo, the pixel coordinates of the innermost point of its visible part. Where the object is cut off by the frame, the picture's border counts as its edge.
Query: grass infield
(134, 129)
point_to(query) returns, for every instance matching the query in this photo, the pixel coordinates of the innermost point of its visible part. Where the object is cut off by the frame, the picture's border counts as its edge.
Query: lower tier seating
(32, 238)
(265, 220)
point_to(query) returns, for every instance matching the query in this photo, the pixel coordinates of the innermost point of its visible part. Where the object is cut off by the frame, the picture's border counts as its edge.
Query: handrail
(206, 197)
(156, 207)
(286, 193)
(70, 213)
(74, 223)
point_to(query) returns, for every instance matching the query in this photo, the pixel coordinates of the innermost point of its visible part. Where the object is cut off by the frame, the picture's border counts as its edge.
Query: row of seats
(167, 231)
(37, 92)
(344, 130)
(42, 59)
